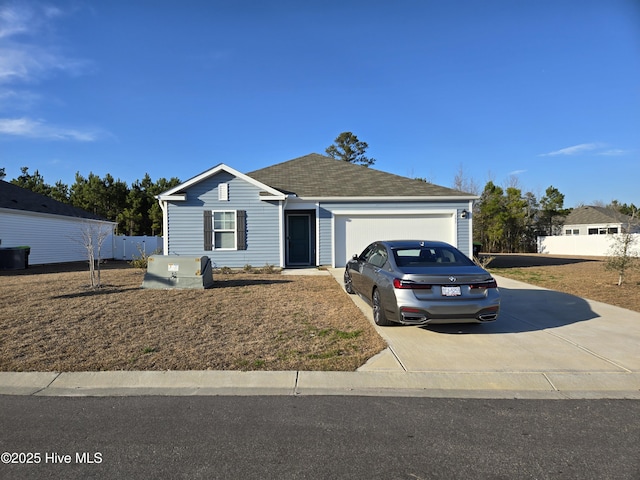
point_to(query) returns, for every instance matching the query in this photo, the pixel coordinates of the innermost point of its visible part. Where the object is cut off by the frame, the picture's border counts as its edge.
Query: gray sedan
(418, 282)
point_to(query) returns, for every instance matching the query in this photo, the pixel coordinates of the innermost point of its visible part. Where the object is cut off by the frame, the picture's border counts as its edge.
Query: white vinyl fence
(126, 247)
(582, 245)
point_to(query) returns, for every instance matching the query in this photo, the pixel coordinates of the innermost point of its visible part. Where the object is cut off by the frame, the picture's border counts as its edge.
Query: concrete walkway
(545, 345)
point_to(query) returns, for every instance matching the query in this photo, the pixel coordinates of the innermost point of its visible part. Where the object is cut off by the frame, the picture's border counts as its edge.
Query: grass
(581, 276)
(51, 321)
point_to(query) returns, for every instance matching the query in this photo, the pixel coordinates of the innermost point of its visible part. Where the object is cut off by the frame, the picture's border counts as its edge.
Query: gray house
(309, 211)
(591, 220)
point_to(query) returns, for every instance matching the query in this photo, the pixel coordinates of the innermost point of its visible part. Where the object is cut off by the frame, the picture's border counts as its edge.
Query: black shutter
(241, 230)
(208, 230)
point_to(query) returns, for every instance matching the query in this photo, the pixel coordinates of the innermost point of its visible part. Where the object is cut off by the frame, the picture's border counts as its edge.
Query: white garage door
(353, 233)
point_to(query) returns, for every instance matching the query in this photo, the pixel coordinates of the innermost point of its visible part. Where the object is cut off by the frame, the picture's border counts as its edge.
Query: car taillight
(490, 284)
(397, 283)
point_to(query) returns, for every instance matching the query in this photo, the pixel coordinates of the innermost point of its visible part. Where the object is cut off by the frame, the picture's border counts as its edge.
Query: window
(576, 231)
(430, 257)
(611, 230)
(593, 231)
(567, 232)
(225, 230)
(379, 257)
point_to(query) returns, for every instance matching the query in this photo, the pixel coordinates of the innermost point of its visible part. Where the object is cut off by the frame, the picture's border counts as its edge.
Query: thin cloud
(615, 152)
(574, 150)
(36, 129)
(517, 172)
(14, 20)
(29, 55)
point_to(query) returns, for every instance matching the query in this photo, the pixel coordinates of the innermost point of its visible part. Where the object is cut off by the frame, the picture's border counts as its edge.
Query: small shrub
(247, 268)
(226, 270)
(483, 260)
(142, 260)
(269, 269)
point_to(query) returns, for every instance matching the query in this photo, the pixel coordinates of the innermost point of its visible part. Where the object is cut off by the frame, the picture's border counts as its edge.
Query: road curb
(524, 385)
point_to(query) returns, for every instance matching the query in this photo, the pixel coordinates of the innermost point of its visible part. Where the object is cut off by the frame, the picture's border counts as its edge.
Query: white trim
(215, 170)
(180, 197)
(389, 199)
(234, 230)
(365, 213)
(470, 220)
(165, 226)
(318, 233)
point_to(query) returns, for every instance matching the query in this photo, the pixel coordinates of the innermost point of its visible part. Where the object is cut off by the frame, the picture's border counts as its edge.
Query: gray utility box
(178, 271)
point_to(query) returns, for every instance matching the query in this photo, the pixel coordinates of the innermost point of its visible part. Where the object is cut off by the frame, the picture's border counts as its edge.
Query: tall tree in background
(135, 209)
(347, 147)
(490, 219)
(34, 182)
(155, 212)
(464, 184)
(552, 211)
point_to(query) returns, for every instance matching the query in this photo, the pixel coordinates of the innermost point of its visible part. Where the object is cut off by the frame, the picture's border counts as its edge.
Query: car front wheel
(378, 311)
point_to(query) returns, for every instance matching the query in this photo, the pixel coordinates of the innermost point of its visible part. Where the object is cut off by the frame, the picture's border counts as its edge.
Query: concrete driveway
(542, 336)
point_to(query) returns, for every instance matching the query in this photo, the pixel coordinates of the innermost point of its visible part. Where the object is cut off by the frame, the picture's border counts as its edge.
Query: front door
(299, 239)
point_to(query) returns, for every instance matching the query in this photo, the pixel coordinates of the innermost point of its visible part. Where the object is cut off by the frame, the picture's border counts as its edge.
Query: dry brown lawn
(581, 276)
(51, 321)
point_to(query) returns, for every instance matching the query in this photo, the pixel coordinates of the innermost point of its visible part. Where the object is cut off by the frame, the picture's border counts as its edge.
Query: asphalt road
(318, 437)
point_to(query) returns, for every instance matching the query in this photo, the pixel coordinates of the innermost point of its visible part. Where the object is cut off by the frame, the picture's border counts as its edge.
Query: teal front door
(299, 239)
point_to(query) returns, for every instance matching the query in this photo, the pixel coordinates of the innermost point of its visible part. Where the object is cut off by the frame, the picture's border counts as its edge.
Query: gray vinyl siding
(325, 237)
(326, 210)
(186, 234)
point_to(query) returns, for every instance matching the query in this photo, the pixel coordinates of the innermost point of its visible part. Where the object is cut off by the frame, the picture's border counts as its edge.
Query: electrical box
(178, 271)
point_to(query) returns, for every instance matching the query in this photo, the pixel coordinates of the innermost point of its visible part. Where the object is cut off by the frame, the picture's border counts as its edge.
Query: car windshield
(430, 257)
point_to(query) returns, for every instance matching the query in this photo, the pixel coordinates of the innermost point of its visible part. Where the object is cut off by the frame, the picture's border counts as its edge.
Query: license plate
(451, 291)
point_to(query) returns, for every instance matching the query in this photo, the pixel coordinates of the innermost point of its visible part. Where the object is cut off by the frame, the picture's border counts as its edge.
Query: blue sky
(547, 92)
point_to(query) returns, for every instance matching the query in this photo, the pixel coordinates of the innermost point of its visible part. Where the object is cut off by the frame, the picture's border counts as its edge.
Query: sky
(534, 93)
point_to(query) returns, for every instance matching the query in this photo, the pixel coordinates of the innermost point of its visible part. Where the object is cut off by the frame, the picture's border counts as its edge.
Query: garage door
(354, 232)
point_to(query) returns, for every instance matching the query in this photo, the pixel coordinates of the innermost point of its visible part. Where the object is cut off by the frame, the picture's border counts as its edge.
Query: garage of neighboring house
(309, 211)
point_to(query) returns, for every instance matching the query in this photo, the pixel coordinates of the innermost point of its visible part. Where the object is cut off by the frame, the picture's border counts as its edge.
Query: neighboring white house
(588, 231)
(590, 220)
(53, 230)
(309, 211)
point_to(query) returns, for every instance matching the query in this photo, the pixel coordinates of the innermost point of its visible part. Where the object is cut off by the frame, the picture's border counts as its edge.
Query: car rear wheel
(378, 310)
(348, 286)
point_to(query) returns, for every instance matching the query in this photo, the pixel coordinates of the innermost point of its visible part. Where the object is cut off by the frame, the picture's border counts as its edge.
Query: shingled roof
(17, 198)
(589, 215)
(318, 176)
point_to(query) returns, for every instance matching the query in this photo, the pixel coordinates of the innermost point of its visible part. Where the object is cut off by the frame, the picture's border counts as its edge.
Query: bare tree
(464, 184)
(92, 237)
(623, 254)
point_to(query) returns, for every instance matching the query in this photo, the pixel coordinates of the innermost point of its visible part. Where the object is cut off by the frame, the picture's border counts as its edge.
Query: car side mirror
(355, 256)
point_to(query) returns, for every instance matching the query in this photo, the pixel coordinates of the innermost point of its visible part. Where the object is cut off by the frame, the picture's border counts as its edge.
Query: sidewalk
(585, 350)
